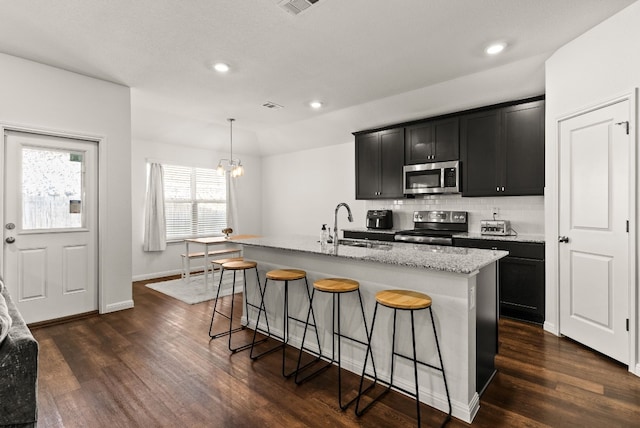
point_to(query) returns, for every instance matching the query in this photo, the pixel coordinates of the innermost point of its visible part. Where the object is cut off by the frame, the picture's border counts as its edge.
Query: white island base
(464, 307)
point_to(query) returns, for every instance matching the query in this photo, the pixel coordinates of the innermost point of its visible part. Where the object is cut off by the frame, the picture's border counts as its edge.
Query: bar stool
(234, 265)
(336, 287)
(220, 262)
(282, 275)
(410, 301)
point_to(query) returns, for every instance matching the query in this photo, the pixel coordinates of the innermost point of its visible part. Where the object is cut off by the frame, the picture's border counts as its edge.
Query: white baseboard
(551, 328)
(114, 307)
(154, 275)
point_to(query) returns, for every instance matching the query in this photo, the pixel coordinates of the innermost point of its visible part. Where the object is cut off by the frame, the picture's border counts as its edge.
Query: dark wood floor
(155, 366)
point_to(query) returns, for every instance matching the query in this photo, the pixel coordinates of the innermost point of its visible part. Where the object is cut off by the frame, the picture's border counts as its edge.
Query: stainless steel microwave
(428, 178)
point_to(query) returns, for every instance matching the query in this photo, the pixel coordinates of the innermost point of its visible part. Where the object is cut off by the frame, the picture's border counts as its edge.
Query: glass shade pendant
(233, 166)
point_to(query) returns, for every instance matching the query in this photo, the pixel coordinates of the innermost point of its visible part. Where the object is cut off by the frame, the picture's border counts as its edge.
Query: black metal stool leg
(366, 332)
(255, 332)
(261, 291)
(300, 369)
(376, 380)
(313, 317)
(286, 326)
(361, 392)
(215, 310)
(246, 345)
(415, 368)
(215, 304)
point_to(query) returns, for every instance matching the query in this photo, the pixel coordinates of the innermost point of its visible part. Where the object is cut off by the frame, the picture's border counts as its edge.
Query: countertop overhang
(434, 257)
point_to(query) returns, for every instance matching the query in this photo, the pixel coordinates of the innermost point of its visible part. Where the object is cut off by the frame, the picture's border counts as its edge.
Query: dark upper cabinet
(502, 151)
(479, 148)
(379, 162)
(523, 150)
(433, 141)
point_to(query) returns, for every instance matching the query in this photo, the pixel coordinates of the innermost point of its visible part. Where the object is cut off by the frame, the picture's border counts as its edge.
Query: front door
(51, 222)
(594, 239)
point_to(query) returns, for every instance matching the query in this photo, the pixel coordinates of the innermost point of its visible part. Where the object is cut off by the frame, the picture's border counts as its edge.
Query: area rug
(194, 291)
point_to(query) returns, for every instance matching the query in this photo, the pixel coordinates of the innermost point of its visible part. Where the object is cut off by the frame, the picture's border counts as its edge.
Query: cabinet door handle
(563, 239)
(497, 189)
(502, 189)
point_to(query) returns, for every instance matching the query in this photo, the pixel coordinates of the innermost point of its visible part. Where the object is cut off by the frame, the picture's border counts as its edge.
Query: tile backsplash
(526, 213)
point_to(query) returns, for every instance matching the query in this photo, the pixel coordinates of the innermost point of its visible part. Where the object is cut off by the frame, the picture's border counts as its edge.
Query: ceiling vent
(272, 105)
(294, 7)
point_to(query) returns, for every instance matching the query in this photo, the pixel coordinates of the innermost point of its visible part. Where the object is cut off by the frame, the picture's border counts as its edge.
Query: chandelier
(233, 166)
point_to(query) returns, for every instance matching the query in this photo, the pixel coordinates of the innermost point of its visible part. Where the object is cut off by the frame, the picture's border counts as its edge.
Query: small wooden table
(211, 240)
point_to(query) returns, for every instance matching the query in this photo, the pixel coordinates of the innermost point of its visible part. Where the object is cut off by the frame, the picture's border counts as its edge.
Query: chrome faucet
(335, 224)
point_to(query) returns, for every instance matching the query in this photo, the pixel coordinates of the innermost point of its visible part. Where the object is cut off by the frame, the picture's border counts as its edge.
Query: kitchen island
(461, 282)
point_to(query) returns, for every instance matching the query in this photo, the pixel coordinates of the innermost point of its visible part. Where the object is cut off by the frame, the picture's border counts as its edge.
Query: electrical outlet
(472, 298)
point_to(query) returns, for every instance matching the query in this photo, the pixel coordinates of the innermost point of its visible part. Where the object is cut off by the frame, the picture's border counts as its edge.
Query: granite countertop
(439, 258)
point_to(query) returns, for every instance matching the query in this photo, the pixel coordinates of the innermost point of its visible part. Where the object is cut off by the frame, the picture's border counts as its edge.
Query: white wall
(597, 66)
(44, 98)
(156, 264)
(302, 189)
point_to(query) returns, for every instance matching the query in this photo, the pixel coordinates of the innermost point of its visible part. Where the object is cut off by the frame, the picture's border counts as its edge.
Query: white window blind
(195, 202)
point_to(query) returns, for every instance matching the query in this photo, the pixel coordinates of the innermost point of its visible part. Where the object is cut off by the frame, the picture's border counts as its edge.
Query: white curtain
(155, 221)
(232, 206)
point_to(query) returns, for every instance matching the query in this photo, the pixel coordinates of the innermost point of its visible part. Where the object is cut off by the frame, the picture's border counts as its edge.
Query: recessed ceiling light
(221, 67)
(315, 104)
(495, 48)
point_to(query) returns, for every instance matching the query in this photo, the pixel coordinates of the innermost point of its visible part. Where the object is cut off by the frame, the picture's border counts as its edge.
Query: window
(195, 202)
(52, 188)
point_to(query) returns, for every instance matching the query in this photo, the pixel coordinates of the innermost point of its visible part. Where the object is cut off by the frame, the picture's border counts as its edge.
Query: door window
(52, 189)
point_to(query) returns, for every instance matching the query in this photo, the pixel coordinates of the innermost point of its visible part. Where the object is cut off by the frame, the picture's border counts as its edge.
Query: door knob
(10, 240)
(563, 239)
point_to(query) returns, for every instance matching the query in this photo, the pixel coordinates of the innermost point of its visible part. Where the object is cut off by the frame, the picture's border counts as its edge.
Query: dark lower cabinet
(372, 235)
(522, 289)
(520, 277)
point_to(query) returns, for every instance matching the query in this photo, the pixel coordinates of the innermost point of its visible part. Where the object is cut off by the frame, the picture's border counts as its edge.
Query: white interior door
(51, 223)
(594, 213)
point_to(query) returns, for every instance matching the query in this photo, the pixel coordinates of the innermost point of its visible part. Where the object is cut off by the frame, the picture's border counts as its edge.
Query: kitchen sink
(364, 244)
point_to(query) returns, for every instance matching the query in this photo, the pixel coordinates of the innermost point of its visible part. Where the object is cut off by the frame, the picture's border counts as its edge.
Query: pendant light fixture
(234, 166)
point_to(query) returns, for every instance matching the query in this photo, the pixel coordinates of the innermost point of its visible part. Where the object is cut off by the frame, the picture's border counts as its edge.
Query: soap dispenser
(324, 235)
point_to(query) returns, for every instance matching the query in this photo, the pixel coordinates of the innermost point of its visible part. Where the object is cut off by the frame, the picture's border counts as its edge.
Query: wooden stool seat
(230, 259)
(240, 265)
(403, 299)
(336, 285)
(286, 274)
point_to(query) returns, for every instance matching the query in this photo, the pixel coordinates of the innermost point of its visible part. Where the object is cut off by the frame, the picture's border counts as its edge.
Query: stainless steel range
(434, 227)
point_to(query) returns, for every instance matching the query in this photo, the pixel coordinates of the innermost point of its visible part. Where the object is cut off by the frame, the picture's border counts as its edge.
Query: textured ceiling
(346, 53)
